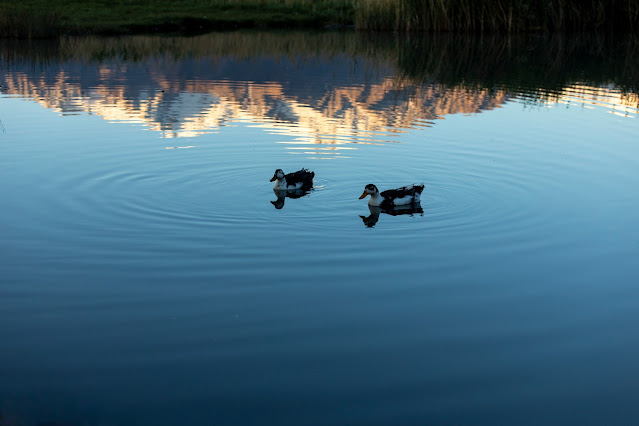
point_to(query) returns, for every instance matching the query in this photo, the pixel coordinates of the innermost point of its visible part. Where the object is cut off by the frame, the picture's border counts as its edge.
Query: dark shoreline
(33, 19)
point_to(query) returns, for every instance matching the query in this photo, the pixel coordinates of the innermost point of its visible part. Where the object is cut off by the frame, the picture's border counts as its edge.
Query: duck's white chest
(282, 185)
(375, 201)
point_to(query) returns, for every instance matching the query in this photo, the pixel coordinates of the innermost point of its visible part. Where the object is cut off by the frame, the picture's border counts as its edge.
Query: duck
(301, 179)
(409, 194)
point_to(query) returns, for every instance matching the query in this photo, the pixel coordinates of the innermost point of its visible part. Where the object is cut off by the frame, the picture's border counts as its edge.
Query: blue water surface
(147, 277)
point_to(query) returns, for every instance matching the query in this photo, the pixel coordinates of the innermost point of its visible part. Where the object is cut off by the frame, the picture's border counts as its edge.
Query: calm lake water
(149, 275)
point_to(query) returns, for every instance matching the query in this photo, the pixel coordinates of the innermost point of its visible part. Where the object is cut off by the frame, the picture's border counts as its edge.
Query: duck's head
(370, 189)
(279, 174)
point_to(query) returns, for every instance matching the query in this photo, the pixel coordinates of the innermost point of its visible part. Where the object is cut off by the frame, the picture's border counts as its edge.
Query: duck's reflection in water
(282, 194)
(372, 219)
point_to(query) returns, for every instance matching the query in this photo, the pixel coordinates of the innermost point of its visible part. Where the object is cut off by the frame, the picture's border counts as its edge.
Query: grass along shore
(45, 18)
(509, 16)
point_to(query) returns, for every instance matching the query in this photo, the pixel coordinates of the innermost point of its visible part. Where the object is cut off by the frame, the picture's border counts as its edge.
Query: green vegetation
(24, 22)
(498, 15)
(46, 18)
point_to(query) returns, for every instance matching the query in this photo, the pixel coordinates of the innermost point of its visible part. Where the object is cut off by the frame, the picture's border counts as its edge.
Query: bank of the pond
(42, 18)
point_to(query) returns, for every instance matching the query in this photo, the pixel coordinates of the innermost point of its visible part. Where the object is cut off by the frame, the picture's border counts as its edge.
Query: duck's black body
(301, 179)
(305, 177)
(396, 194)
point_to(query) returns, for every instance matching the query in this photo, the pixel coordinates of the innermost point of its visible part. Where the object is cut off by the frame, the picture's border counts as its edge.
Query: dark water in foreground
(147, 279)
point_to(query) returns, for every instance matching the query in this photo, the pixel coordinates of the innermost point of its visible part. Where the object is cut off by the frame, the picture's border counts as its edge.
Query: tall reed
(28, 22)
(497, 15)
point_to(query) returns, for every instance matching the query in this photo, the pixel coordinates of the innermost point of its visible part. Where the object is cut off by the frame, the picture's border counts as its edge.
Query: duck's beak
(364, 194)
(273, 178)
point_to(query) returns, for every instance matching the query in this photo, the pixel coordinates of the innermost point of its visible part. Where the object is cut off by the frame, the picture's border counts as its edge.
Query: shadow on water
(547, 62)
(282, 195)
(538, 65)
(371, 220)
(326, 88)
